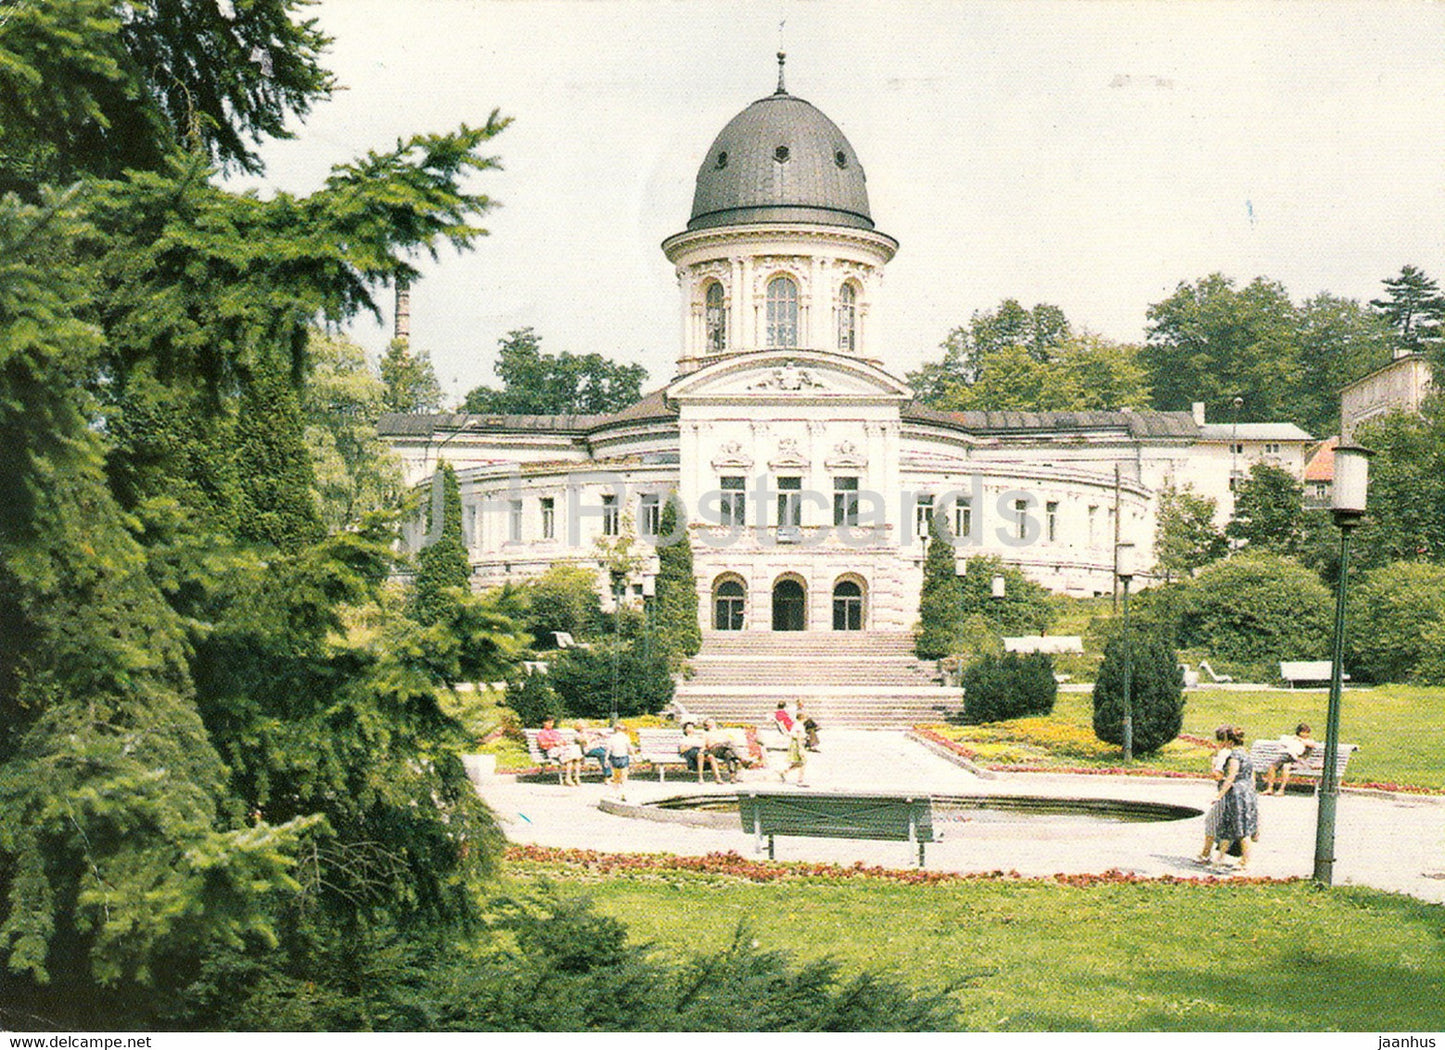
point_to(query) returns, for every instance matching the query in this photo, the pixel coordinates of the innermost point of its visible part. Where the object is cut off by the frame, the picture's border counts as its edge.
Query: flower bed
(735, 866)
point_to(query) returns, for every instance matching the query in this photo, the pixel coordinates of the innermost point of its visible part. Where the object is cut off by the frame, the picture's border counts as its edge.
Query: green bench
(895, 818)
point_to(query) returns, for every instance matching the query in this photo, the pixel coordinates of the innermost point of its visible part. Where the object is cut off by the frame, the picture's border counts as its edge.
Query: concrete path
(1395, 844)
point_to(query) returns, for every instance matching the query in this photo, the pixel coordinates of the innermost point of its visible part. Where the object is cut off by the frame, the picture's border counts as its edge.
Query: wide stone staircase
(857, 679)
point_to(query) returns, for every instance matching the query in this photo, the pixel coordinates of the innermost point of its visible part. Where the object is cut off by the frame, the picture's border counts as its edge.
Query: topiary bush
(1011, 686)
(1258, 608)
(1392, 613)
(1156, 693)
(586, 678)
(532, 697)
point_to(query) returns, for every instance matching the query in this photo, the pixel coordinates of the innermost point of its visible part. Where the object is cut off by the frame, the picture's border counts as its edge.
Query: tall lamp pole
(1347, 504)
(619, 588)
(1124, 559)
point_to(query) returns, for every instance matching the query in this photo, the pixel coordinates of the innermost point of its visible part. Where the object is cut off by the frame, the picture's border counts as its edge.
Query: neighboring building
(1226, 451)
(805, 466)
(1320, 474)
(1400, 386)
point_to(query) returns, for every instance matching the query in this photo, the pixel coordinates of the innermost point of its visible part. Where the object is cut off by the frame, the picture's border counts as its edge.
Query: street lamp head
(998, 585)
(1124, 561)
(1238, 402)
(1351, 482)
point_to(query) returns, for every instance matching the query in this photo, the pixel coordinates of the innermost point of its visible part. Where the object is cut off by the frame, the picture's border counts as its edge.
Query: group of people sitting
(711, 748)
(570, 748)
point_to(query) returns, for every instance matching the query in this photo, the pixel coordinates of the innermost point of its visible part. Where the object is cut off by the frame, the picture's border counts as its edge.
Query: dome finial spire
(782, 57)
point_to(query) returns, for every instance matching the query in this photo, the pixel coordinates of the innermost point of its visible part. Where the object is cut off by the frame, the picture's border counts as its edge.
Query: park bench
(894, 818)
(659, 747)
(1293, 671)
(538, 756)
(1206, 669)
(1044, 643)
(1265, 753)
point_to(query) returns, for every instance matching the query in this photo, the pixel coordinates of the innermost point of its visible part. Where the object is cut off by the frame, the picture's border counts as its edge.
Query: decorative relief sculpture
(732, 454)
(846, 454)
(788, 455)
(789, 378)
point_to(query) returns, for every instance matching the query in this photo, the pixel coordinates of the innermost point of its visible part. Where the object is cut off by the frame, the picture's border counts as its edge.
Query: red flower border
(734, 865)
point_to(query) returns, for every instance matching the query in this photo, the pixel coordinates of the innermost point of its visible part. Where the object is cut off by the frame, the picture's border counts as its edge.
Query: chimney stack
(402, 330)
(1198, 411)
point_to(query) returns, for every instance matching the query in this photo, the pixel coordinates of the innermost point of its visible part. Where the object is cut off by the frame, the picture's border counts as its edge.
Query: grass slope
(1039, 956)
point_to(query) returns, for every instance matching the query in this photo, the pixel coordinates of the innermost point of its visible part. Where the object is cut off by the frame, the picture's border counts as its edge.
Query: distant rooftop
(1252, 432)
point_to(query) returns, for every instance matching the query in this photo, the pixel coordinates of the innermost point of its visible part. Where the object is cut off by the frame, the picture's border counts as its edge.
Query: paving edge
(951, 755)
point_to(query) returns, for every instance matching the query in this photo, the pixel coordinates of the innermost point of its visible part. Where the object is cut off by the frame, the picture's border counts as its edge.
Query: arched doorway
(728, 604)
(847, 606)
(789, 605)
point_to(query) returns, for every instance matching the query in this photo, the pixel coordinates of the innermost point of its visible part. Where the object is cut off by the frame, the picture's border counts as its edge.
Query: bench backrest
(659, 745)
(535, 752)
(1044, 643)
(1264, 753)
(889, 817)
(1306, 670)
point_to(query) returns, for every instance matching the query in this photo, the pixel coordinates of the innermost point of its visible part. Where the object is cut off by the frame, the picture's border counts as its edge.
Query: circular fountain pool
(1007, 814)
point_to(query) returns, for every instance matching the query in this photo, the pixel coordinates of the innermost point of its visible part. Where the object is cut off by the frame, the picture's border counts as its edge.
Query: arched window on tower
(847, 318)
(782, 312)
(717, 319)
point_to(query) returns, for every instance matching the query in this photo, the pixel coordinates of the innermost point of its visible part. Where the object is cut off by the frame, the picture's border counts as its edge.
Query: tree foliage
(676, 588)
(1269, 511)
(1185, 538)
(564, 598)
(444, 570)
(408, 380)
(1013, 685)
(1156, 692)
(940, 600)
(1406, 520)
(1414, 309)
(534, 383)
(1395, 613)
(1258, 609)
(1025, 608)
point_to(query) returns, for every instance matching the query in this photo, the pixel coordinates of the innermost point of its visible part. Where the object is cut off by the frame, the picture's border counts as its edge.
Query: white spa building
(805, 466)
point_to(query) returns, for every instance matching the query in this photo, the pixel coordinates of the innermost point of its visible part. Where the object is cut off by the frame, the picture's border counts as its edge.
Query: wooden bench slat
(898, 818)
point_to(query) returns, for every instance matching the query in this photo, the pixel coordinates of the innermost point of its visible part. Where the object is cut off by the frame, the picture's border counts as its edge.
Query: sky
(1086, 153)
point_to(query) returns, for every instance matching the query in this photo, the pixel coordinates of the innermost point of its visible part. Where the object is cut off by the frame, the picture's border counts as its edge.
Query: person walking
(797, 754)
(1217, 762)
(1239, 802)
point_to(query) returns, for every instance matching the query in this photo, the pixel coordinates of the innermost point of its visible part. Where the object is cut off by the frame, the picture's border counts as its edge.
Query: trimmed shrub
(1392, 613)
(1258, 608)
(564, 598)
(586, 679)
(1156, 693)
(1012, 686)
(534, 699)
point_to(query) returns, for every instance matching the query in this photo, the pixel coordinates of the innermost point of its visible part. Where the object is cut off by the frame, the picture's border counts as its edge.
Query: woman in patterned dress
(1238, 802)
(1217, 762)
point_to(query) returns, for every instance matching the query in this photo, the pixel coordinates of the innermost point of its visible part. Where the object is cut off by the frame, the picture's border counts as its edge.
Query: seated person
(693, 749)
(550, 739)
(594, 745)
(720, 749)
(1295, 748)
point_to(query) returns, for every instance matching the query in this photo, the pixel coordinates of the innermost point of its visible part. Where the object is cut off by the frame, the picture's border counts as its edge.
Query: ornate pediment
(846, 454)
(732, 454)
(787, 377)
(789, 455)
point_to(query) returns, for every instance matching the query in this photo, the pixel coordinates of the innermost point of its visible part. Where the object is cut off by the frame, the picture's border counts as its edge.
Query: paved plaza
(1389, 842)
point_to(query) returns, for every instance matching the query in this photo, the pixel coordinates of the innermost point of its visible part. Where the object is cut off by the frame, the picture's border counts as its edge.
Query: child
(619, 754)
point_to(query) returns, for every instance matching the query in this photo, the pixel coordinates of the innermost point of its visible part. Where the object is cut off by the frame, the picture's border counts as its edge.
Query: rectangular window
(845, 501)
(1021, 518)
(514, 521)
(1271, 448)
(962, 517)
(549, 518)
(469, 525)
(1238, 450)
(611, 519)
(922, 511)
(1051, 516)
(790, 503)
(1093, 526)
(734, 501)
(650, 514)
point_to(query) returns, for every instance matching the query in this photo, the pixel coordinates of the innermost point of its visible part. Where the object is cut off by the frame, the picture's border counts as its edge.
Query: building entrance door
(788, 606)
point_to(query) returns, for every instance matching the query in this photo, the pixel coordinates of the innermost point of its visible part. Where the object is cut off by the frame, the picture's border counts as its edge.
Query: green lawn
(1042, 956)
(1400, 730)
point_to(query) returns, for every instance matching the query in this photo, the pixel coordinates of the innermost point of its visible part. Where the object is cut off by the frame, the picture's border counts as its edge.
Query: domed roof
(780, 160)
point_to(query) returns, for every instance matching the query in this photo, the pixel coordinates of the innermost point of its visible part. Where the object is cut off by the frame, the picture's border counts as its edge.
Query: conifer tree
(442, 565)
(279, 502)
(676, 588)
(940, 603)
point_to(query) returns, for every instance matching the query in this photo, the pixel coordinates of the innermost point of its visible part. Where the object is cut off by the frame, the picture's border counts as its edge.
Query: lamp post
(1124, 560)
(619, 588)
(1347, 504)
(1237, 404)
